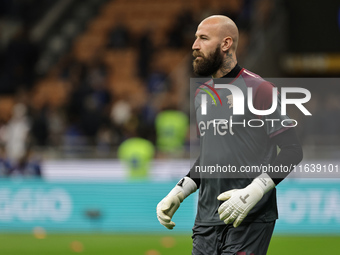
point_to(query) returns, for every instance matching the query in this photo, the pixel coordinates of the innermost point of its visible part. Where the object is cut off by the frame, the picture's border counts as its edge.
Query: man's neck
(228, 64)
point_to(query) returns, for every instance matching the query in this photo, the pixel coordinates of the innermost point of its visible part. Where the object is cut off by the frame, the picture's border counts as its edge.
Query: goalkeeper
(236, 214)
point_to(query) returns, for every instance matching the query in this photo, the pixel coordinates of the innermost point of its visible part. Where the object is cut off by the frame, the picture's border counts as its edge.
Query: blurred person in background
(88, 107)
(137, 154)
(235, 214)
(171, 129)
(104, 139)
(98, 99)
(146, 51)
(119, 36)
(16, 133)
(5, 165)
(120, 115)
(40, 126)
(28, 166)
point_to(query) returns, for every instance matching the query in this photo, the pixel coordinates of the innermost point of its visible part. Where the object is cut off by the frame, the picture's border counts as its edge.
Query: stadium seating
(137, 16)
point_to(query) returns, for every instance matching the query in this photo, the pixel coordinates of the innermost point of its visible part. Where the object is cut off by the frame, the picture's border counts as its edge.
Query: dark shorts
(246, 239)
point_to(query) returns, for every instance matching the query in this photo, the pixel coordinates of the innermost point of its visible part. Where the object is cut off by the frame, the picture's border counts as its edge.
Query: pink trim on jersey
(262, 95)
(279, 131)
(242, 70)
(262, 90)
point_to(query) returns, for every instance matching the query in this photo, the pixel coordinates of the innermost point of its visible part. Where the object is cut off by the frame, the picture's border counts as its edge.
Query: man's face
(207, 50)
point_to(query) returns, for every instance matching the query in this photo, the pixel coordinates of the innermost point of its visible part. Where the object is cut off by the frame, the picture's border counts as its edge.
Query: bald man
(236, 213)
(215, 46)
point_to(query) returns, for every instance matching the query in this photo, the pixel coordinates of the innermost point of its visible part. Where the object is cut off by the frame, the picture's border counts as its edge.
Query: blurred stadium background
(94, 120)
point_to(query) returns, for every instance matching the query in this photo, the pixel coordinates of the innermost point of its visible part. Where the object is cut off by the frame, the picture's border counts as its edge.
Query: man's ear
(226, 44)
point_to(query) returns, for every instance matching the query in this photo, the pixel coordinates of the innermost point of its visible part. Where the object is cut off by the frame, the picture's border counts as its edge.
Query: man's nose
(196, 45)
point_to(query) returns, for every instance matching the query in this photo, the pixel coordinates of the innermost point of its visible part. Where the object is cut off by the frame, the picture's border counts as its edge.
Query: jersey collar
(234, 72)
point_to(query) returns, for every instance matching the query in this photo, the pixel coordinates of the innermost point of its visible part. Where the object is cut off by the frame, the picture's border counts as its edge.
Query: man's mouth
(196, 55)
(198, 58)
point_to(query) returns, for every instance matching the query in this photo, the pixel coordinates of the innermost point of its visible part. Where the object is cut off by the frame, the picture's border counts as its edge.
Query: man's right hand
(167, 208)
(169, 205)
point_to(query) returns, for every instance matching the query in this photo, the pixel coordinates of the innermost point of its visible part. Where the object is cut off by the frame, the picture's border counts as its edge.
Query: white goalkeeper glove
(169, 205)
(240, 201)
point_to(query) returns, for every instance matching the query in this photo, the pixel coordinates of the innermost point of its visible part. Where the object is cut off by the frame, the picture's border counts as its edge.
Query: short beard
(209, 65)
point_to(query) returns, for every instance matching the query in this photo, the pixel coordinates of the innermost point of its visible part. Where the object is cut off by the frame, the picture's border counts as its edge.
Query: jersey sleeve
(289, 156)
(194, 176)
(274, 123)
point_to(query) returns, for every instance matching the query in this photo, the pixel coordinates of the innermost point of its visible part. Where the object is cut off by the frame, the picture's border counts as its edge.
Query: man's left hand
(240, 201)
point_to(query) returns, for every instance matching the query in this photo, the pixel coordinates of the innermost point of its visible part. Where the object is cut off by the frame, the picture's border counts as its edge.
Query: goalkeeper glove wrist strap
(186, 186)
(264, 182)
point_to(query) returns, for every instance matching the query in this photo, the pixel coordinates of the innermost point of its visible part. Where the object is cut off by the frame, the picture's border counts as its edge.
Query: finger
(168, 225)
(231, 218)
(238, 220)
(226, 212)
(163, 216)
(223, 207)
(226, 195)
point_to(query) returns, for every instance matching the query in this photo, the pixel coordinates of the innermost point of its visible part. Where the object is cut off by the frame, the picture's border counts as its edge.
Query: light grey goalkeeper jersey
(232, 144)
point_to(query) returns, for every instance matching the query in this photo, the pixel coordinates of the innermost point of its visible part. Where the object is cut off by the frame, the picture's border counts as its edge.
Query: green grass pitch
(147, 244)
